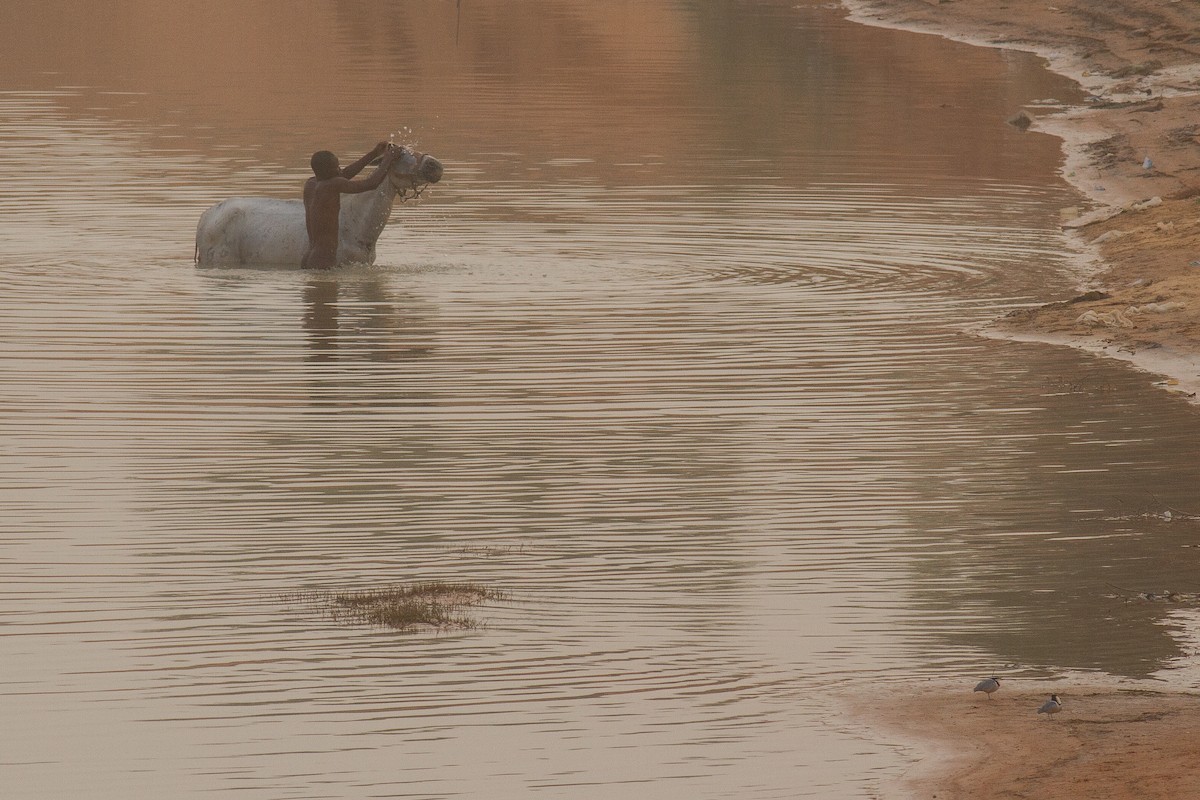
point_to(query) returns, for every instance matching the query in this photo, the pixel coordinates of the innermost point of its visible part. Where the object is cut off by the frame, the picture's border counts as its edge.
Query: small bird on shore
(988, 685)
(1051, 706)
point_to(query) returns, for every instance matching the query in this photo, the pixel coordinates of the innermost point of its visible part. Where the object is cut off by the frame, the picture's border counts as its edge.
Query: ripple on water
(686, 437)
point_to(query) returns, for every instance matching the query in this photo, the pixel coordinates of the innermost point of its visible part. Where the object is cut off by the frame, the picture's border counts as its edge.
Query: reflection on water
(674, 358)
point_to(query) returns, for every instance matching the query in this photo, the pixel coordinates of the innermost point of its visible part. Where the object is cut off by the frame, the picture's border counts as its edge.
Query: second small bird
(1051, 706)
(988, 685)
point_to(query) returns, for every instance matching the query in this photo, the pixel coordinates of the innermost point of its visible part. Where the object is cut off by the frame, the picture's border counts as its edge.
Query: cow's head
(413, 171)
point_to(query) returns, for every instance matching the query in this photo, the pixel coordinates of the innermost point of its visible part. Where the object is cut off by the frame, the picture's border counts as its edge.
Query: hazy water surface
(673, 356)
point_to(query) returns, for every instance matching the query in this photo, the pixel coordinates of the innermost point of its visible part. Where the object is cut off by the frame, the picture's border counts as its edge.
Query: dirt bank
(1105, 744)
(1140, 62)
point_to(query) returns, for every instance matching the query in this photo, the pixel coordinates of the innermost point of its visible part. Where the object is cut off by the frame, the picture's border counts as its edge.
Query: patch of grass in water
(427, 605)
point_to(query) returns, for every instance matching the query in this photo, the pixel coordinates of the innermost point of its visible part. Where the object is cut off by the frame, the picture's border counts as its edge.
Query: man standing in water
(323, 199)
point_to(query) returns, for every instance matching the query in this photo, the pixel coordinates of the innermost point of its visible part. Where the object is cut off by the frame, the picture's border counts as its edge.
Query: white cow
(263, 230)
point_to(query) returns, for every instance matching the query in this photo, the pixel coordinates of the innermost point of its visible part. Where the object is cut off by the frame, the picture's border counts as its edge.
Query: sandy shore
(1107, 743)
(1139, 60)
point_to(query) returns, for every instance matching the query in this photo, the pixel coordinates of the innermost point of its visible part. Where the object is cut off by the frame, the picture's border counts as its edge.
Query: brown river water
(674, 356)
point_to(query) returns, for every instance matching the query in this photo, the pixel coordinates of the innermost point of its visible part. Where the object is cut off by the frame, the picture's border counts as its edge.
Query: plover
(1051, 706)
(988, 685)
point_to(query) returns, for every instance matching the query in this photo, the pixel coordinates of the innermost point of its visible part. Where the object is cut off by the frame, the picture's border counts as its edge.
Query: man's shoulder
(324, 185)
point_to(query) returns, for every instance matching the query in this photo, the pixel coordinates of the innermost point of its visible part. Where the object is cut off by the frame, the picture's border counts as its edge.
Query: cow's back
(252, 230)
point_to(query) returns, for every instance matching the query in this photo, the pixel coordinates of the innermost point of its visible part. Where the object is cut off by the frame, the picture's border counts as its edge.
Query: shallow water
(674, 356)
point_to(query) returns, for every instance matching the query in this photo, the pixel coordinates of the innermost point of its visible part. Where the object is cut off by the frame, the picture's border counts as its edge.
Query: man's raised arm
(351, 170)
(372, 181)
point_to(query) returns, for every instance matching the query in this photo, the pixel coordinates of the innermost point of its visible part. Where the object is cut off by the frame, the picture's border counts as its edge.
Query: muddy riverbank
(1133, 151)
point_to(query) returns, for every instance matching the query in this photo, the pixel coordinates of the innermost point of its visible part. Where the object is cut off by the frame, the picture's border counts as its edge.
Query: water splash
(407, 137)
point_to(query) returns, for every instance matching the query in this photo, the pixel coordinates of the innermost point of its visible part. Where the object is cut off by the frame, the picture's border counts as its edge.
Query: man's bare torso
(322, 211)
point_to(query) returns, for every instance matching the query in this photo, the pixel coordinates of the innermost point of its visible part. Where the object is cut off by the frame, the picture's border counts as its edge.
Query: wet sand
(1138, 300)
(1105, 744)
(1139, 60)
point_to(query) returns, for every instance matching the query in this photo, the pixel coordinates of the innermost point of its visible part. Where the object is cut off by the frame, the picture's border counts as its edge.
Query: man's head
(325, 165)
